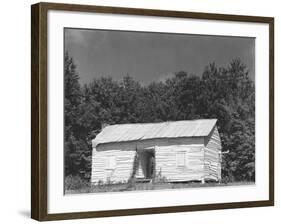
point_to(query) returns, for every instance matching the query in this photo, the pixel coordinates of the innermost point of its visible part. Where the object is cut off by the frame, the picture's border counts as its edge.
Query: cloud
(74, 36)
(85, 38)
(164, 77)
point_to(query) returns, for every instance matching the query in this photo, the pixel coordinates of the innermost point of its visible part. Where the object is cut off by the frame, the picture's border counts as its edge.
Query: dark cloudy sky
(152, 56)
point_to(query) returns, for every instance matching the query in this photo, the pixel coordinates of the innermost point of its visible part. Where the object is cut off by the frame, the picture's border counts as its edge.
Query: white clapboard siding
(143, 144)
(121, 171)
(212, 161)
(125, 153)
(202, 158)
(166, 162)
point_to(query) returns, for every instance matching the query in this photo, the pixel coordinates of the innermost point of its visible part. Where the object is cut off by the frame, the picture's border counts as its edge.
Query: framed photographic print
(140, 111)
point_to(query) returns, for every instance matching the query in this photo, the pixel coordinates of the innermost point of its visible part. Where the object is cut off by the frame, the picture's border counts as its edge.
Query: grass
(137, 186)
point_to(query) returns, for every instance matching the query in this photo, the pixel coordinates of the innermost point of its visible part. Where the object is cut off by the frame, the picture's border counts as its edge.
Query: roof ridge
(203, 119)
(145, 131)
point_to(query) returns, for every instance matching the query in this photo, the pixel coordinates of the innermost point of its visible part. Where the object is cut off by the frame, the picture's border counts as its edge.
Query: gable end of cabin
(212, 156)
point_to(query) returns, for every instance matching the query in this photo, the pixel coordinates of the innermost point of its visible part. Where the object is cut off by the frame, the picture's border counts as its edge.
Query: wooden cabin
(178, 151)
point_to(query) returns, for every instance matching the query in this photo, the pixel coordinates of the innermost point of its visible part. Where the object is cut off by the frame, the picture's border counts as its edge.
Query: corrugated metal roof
(143, 131)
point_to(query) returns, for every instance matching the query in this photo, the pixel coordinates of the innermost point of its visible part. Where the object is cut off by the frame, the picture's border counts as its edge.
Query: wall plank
(212, 164)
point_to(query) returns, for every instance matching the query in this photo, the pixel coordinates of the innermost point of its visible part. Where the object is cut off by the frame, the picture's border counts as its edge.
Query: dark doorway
(147, 162)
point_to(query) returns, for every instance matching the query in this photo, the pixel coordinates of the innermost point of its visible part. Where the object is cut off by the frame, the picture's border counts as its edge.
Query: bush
(159, 178)
(75, 183)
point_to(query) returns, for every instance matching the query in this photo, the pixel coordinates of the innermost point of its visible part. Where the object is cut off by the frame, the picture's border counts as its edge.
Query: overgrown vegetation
(227, 94)
(140, 186)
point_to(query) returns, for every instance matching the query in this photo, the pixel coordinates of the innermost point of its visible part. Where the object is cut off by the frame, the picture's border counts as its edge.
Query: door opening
(147, 162)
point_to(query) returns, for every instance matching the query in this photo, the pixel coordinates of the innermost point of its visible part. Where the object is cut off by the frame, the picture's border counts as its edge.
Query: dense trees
(227, 94)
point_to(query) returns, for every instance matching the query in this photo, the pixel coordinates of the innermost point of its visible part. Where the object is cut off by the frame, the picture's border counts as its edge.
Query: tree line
(225, 93)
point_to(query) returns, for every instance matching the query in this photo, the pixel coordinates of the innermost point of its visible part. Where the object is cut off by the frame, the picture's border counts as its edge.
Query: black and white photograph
(157, 111)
